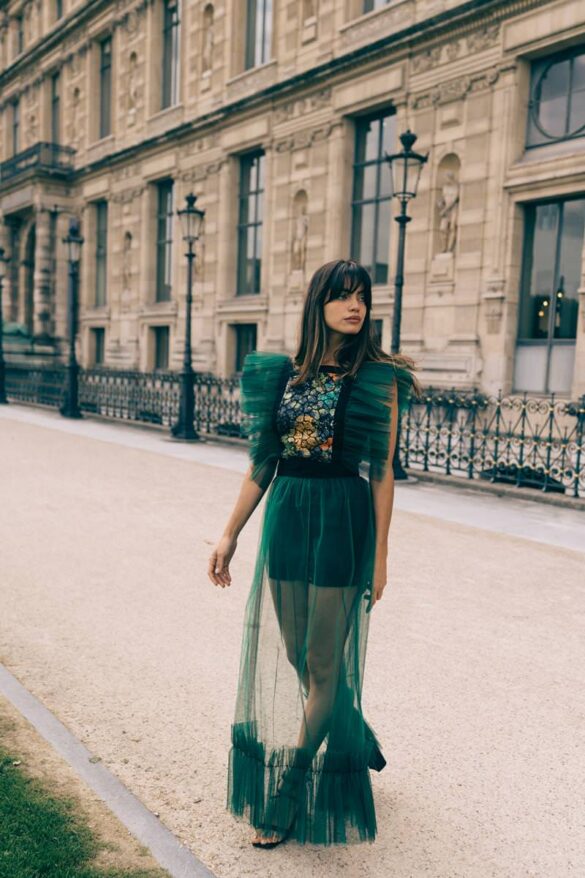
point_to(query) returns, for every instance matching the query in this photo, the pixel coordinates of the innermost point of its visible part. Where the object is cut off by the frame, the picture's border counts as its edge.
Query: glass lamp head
(406, 167)
(73, 240)
(191, 219)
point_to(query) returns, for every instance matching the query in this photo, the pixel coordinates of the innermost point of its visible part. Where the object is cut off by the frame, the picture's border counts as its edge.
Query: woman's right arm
(250, 495)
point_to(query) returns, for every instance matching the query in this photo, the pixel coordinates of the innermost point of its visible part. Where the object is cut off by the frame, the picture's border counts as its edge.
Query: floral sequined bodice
(306, 415)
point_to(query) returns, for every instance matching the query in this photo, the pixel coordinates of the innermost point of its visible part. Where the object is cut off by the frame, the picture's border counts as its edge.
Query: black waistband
(301, 466)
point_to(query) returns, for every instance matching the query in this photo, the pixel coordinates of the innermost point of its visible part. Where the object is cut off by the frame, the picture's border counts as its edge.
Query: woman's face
(346, 313)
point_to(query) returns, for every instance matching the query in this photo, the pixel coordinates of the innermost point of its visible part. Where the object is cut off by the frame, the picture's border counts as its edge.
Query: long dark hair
(327, 283)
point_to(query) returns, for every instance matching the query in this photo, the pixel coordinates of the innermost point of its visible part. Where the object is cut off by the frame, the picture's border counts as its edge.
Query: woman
(301, 748)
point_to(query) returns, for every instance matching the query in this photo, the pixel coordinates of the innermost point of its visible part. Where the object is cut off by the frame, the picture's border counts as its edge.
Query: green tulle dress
(293, 756)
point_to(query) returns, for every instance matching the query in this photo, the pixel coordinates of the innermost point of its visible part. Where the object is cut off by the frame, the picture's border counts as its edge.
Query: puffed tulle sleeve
(261, 383)
(368, 414)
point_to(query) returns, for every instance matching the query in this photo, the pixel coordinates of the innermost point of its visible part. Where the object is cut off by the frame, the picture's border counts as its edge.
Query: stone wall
(460, 81)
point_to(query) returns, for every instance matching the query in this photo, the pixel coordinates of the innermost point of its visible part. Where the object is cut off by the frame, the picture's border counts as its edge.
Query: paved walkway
(473, 676)
(459, 504)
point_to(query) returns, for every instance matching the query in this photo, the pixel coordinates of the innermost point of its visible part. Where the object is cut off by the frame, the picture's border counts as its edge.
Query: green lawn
(42, 836)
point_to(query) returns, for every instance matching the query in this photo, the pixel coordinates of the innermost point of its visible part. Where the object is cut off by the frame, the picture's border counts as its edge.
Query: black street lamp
(3, 263)
(191, 222)
(70, 407)
(405, 167)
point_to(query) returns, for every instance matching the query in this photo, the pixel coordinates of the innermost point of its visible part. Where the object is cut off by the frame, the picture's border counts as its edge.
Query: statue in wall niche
(32, 133)
(75, 103)
(300, 234)
(127, 261)
(208, 40)
(132, 84)
(309, 9)
(448, 207)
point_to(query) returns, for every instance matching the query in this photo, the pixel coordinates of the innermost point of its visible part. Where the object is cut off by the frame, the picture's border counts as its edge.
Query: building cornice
(458, 21)
(454, 22)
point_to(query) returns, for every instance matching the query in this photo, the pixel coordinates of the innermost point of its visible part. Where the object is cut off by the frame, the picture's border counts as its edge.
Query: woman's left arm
(383, 500)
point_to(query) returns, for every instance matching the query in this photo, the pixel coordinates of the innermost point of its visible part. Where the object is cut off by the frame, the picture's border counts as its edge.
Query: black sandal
(289, 787)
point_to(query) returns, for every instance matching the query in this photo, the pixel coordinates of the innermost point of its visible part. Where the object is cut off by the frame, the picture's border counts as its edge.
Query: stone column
(226, 235)
(42, 278)
(337, 209)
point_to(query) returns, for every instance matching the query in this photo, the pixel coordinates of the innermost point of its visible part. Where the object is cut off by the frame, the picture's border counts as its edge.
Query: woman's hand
(218, 570)
(380, 577)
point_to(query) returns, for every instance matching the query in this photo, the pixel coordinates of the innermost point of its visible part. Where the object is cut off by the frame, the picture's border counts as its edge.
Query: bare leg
(290, 604)
(328, 627)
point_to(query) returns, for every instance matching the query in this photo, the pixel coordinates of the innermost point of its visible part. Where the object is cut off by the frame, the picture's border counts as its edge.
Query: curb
(165, 848)
(533, 495)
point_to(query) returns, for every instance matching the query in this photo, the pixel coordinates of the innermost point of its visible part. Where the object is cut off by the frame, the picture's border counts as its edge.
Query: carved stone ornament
(302, 106)
(493, 303)
(484, 38)
(426, 60)
(252, 82)
(380, 25)
(304, 139)
(455, 89)
(202, 172)
(128, 196)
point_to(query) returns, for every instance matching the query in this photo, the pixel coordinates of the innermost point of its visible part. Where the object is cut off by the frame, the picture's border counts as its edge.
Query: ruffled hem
(335, 801)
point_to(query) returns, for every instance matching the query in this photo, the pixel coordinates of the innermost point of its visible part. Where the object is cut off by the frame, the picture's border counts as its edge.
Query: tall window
(19, 34)
(378, 326)
(56, 108)
(170, 65)
(258, 32)
(164, 241)
(370, 5)
(372, 195)
(557, 98)
(161, 347)
(547, 325)
(58, 9)
(98, 345)
(250, 224)
(15, 126)
(101, 252)
(245, 342)
(105, 76)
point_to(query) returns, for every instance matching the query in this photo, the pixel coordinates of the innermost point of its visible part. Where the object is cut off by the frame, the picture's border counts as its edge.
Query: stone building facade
(278, 115)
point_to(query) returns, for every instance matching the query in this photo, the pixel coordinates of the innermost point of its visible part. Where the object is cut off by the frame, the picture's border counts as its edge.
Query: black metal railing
(52, 157)
(520, 440)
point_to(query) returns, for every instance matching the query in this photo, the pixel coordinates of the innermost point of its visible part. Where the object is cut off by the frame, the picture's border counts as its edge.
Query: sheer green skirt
(300, 745)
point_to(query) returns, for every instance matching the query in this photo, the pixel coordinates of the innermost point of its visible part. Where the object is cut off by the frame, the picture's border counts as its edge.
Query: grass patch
(42, 836)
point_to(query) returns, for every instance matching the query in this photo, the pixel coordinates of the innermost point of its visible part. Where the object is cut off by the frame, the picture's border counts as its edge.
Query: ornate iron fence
(521, 440)
(147, 397)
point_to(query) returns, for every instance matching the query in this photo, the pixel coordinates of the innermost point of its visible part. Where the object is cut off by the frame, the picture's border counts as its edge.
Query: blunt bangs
(348, 276)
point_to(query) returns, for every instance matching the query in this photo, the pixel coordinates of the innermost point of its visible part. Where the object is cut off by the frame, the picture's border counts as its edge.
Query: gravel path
(473, 676)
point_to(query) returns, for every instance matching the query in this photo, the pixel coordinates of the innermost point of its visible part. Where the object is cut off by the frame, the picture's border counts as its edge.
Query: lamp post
(405, 167)
(3, 263)
(191, 222)
(70, 407)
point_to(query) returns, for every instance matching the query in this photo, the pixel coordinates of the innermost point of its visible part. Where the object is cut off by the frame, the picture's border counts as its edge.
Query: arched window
(557, 99)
